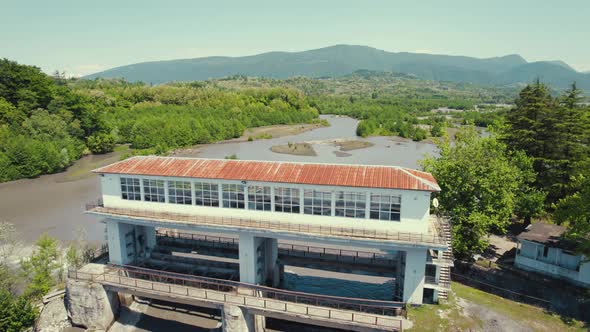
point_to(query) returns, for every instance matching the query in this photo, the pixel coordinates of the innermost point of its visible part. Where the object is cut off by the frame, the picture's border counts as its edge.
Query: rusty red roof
(389, 177)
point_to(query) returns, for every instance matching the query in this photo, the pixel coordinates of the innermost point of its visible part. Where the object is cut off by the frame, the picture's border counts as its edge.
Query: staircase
(445, 271)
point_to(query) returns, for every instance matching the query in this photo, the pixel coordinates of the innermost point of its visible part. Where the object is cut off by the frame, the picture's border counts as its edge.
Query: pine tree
(554, 132)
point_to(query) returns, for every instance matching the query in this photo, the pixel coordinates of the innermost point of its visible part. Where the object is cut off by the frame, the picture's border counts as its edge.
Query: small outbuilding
(541, 248)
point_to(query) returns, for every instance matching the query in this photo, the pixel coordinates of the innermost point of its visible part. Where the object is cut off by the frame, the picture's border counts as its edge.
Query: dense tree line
(46, 123)
(387, 115)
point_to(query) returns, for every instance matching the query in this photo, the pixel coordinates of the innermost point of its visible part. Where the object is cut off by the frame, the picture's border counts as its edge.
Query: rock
(53, 317)
(88, 303)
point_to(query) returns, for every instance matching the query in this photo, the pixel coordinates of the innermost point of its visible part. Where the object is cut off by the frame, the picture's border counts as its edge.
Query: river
(54, 204)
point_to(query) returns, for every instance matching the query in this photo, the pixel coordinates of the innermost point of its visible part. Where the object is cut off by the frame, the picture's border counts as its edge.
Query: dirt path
(492, 320)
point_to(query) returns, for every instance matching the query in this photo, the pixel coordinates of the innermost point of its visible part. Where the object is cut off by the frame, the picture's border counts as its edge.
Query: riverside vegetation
(25, 279)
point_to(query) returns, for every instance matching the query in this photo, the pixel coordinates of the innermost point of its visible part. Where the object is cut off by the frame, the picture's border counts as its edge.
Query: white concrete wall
(143, 241)
(414, 275)
(557, 263)
(248, 258)
(258, 259)
(415, 206)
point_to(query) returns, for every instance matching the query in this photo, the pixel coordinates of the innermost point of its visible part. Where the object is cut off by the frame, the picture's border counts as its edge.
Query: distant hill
(341, 60)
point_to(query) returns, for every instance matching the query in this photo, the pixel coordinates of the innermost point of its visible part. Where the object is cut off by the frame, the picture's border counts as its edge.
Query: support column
(399, 272)
(119, 252)
(128, 242)
(248, 255)
(271, 255)
(415, 268)
(258, 260)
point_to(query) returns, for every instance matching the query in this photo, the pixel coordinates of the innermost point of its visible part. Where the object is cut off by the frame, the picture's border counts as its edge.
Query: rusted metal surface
(389, 177)
(246, 223)
(353, 310)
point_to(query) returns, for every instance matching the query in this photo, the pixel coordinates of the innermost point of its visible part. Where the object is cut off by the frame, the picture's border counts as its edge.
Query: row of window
(315, 202)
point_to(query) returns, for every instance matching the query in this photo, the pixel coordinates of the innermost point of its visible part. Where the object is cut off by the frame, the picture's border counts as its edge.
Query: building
(541, 248)
(264, 203)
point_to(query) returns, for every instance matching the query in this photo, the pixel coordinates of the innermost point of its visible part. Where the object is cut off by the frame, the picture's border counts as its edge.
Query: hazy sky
(82, 36)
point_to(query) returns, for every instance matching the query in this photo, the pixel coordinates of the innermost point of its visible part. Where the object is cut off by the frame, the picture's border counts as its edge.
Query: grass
(450, 316)
(536, 318)
(443, 317)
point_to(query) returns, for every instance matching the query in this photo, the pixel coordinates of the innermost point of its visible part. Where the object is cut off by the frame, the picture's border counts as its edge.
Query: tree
(16, 314)
(480, 182)
(554, 132)
(40, 266)
(574, 211)
(100, 142)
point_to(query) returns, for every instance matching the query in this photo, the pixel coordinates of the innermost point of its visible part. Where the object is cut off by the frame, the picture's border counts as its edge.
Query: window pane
(350, 204)
(259, 198)
(385, 207)
(317, 202)
(287, 200)
(153, 191)
(130, 189)
(233, 196)
(206, 194)
(179, 192)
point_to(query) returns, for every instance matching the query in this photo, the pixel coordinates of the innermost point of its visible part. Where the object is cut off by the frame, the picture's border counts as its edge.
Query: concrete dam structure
(254, 215)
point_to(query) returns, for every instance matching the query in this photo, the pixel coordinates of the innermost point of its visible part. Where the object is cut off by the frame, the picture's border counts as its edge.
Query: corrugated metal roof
(390, 177)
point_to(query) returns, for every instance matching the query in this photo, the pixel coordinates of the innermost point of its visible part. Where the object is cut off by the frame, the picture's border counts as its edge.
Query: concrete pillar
(437, 278)
(237, 319)
(415, 268)
(119, 253)
(258, 260)
(399, 272)
(271, 254)
(128, 242)
(248, 255)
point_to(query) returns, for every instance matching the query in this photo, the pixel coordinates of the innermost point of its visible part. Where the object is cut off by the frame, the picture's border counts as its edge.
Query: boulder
(88, 303)
(53, 317)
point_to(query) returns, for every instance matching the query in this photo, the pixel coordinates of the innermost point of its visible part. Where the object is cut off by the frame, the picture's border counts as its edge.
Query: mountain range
(341, 60)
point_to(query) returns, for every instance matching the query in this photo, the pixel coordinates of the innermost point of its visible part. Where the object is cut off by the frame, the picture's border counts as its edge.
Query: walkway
(356, 314)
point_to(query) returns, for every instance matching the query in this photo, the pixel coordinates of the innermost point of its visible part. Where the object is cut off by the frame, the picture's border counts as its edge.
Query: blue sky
(82, 37)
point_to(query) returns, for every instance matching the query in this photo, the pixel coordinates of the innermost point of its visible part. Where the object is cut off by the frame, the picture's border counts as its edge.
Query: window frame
(393, 214)
(136, 186)
(209, 197)
(259, 198)
(289, 200)
(317, 202)
(354, 204)
(178, 195)
(235, 198)
(149, 190)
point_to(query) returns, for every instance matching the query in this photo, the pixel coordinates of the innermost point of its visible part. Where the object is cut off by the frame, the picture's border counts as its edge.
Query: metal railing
(351, 310)
(285, 248)
(337, 231)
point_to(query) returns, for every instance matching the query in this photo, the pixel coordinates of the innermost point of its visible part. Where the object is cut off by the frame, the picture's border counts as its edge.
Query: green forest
(46, 123)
